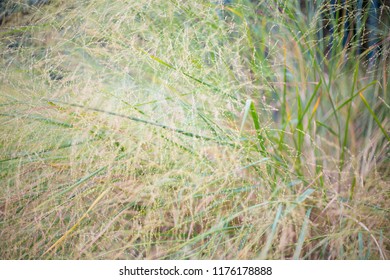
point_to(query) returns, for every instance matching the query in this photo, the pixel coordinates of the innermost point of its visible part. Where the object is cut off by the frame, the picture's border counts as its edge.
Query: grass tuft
(194, 130)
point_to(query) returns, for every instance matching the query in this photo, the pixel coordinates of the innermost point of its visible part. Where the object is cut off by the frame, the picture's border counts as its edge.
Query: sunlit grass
(183, 129)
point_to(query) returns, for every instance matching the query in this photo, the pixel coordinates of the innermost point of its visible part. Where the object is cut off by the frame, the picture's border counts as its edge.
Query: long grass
(193, 130)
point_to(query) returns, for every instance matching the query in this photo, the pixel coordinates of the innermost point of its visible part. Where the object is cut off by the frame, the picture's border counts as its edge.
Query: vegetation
(193, 130)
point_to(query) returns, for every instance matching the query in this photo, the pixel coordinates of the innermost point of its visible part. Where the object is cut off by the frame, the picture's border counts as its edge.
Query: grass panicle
(194, 130)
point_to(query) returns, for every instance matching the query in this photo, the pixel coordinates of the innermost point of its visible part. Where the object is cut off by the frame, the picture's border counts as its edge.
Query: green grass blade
(307, 107)
(162, 62)
(374, 116)
(39, 118)
(327, 127)
(302, 235)
(247, 107)
(271, 235)
(299, 200)
(346, 129)
(256, 123)
(361, 245)
(180, 131)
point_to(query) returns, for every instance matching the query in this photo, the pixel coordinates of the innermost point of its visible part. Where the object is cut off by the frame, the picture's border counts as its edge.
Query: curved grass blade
(186, 133)
(256, 123)
(302, 235)
(76, 225)
(374, 116)
(246, 113)
(270, 237)
(39, 118)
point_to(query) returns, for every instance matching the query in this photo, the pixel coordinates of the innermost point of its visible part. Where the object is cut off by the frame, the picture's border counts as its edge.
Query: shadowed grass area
(182, 130)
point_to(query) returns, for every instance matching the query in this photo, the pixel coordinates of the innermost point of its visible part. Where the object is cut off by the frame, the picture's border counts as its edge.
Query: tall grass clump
(194, 130)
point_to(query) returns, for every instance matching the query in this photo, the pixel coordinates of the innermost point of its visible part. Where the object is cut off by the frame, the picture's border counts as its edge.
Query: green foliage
(163, 130)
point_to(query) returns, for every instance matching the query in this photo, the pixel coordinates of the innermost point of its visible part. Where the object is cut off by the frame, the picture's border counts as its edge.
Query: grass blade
(256, 123)
(302, 235)
(76, 225)
(247, 107)
(374, 116)
(271, 235)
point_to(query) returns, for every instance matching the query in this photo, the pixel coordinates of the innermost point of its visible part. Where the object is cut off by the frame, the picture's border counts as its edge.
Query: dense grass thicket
(194, 130)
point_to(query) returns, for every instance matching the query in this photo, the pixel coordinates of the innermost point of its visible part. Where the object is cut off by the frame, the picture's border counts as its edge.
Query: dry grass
(157, 130)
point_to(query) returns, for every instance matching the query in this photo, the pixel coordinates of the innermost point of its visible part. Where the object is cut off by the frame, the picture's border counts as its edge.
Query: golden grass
(157, 130)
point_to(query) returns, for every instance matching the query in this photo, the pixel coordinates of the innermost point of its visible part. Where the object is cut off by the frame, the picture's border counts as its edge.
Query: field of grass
(192, 130)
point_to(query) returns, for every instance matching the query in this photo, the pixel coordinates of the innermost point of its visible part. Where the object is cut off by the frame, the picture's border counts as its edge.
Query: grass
(192, 130)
